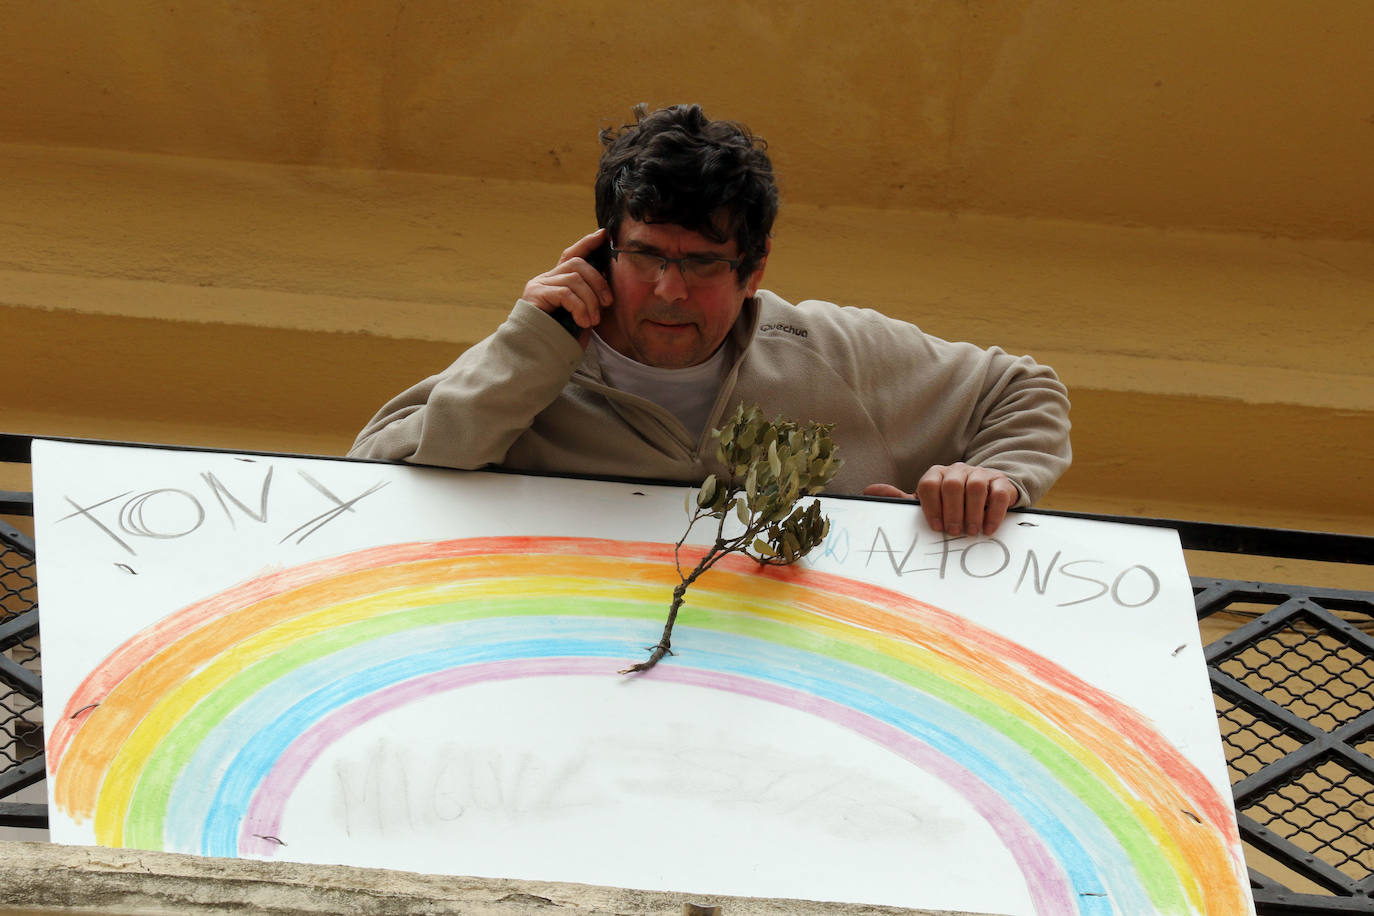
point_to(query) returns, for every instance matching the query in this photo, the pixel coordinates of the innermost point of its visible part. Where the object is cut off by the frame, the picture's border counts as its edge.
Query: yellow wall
(1243, 115)
(247, 225)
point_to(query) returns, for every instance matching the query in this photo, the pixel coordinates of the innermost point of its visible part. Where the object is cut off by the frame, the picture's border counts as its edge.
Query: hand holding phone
(575, 290)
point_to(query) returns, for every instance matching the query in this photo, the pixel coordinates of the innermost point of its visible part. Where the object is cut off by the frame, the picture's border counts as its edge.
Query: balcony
(1291, 666)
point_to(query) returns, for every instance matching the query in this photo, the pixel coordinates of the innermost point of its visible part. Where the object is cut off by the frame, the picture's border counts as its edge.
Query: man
(626, 372)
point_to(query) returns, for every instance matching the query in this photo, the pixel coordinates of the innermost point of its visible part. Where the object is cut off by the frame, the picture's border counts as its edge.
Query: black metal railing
(1292, 678)
(21, 693)
(1293, 683)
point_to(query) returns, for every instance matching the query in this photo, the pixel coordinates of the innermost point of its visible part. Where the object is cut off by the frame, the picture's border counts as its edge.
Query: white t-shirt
(689, 393)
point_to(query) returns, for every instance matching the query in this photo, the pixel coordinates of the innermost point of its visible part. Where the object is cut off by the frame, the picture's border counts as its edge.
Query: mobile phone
(601, 258)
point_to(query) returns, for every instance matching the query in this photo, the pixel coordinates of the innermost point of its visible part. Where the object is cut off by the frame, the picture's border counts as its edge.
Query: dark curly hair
(677, 166)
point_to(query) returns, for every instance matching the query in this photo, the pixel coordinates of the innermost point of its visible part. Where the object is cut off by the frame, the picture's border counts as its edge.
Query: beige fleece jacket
(529, 398)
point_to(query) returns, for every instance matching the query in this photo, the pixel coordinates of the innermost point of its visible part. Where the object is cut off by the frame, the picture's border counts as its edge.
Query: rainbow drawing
(241, 692)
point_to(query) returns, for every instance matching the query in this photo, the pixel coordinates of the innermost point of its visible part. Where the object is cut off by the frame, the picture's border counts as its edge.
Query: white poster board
(347, 662)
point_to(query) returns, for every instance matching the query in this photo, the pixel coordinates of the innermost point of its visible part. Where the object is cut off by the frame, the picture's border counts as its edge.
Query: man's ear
(751, 285)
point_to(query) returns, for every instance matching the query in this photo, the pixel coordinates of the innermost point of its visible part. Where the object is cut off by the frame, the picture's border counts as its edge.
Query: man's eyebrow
(633, 245)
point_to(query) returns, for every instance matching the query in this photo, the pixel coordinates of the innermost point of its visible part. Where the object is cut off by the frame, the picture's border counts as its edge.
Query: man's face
(668, 323)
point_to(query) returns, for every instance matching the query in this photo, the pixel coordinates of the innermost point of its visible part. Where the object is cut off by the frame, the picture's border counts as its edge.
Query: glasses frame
(664, 261)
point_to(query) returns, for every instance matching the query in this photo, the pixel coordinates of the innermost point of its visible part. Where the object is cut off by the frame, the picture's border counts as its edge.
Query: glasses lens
(643, 266)
(705, 268)
(649, 267)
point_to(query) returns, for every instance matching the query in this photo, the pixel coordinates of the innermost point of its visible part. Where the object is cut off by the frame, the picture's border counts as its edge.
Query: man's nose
(672, 283)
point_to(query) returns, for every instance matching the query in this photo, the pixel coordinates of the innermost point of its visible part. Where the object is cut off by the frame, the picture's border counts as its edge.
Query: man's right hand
(574, 284)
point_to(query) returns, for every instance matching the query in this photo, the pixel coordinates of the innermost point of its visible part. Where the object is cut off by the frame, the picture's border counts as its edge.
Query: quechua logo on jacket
(784, 328)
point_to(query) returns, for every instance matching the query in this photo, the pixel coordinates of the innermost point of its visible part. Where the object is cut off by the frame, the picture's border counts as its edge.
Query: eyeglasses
(697, 270)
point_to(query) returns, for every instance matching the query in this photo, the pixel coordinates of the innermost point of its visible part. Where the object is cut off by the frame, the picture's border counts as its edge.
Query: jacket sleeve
(1019, 423)
(935, 402)
(470, 414)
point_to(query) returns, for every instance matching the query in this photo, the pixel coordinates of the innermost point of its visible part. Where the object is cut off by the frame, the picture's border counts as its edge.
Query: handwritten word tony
(169, 513)
(1078, 580)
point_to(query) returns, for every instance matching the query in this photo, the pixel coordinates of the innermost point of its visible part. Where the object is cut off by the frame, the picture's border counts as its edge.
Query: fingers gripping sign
(960, 498)
(963, 499)
(573, 284)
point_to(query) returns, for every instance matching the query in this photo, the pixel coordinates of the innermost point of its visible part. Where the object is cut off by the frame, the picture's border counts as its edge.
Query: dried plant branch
(770, 466)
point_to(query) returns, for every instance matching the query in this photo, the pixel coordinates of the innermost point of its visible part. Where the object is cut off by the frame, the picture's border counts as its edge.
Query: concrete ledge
(40, 878)
(1230, 442)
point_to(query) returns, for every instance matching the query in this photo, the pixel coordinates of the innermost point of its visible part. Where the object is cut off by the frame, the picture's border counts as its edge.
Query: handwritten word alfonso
(1081, 580)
